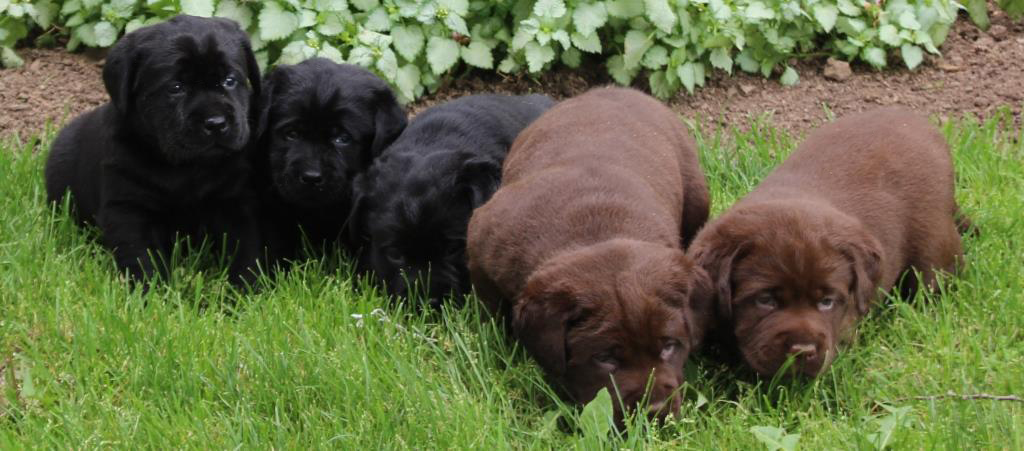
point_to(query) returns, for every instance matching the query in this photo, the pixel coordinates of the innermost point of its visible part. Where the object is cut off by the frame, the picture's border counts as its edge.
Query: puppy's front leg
(242, 234)
(138, 242)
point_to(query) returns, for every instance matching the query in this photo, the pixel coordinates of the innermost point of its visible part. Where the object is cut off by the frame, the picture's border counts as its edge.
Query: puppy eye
(766, 302)
(341, 139)
(176, 88)
(606, 361)
(230, 82)
(670, 348)
(826, 303)
(291, 135)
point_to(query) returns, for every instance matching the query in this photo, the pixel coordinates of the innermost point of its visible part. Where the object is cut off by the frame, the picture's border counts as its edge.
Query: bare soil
(978, 72)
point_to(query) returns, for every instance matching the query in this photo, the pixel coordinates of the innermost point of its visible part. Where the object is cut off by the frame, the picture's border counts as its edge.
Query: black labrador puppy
(415, 201)
(166, 157)
(323, 124)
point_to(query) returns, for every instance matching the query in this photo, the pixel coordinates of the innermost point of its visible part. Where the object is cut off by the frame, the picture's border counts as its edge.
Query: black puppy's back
(415, 201)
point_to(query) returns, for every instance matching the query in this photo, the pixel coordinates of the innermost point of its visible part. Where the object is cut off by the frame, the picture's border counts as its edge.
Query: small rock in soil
(747, 89)
(984, 43)
(837, 70)
(998, 32)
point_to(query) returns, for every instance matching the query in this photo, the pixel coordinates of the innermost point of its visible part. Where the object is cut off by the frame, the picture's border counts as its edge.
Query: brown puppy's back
(889, 168)
(559, 193)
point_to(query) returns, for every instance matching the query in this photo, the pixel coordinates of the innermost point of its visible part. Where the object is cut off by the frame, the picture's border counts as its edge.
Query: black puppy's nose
(311, 177)
(215, 124)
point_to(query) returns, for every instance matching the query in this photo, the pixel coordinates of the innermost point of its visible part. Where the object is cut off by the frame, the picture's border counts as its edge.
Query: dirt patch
(977, 73)
(53, 85)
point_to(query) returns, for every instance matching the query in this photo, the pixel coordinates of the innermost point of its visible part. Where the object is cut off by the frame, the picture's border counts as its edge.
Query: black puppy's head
(186, 86)
(411, 214)
(323, 123)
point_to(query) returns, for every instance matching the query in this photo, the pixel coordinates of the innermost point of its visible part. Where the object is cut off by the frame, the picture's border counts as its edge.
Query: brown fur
(580, 248)
(862, 201)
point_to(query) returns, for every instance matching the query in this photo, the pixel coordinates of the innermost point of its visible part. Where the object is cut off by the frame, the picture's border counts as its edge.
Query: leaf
(9, 59)
(330, 5)
(572, 57)
(365, 5)
(296, 52)
(847, 7)
(87, 34)
(549, 9)
(588, 17)
(775, 438)
(660, 14)
(478, 54)
(43, 13)
(407, 79)
(655, 58)
(361, 56)
(276, 23)
(387, 65)
(757, 11)
(889, 34)
(747, 63)
(202, 8)
(1012, 8)
(874, 56)
(618, 71)
(459, 7)
(330, 52)
(456, 24)
(508, 65)
(232, 10)
(442, 54)
(720, 59)
(826, 15)
(687, 76)
(908, 21)
(408, 40)
(636, 45)
(912, 55)
(598, 416)
(378, 20)
(106, 34)
(887, 425)
(625, 9)
(789, 77)
(659, 85)
(587, 43)
(537, 56)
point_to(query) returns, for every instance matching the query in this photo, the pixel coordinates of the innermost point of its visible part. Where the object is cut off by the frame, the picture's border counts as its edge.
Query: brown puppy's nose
(804, 351)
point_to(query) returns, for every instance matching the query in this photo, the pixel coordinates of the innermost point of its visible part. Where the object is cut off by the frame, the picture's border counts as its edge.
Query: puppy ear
(479, 178)
(360, 190)
(700, 304)
(388, 122)
(276, 77)
(253, 69)
(540, 321)
(864, 253)
(718, 261)
(119, 72)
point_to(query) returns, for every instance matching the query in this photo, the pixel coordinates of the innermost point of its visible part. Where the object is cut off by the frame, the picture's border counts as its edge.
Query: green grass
(86, 362)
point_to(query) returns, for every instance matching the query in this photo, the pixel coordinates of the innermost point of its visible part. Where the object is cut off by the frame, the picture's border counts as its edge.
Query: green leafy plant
(415, 44)
(775, 439)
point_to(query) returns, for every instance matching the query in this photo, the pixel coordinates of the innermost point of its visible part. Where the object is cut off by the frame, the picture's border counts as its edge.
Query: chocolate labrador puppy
(415, 201)
(167, 155)
(323, 123)
(580, 249)
(798, 261)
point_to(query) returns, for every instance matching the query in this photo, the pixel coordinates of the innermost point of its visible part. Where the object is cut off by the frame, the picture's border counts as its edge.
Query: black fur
(414, 204)
(324, 123)
(167, 155)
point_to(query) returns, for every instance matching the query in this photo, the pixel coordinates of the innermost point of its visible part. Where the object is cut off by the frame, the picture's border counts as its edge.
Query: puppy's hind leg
(139, 245)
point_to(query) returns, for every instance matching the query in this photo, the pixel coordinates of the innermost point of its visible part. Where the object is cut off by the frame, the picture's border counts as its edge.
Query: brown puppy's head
(790, 282)
(621, 314)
